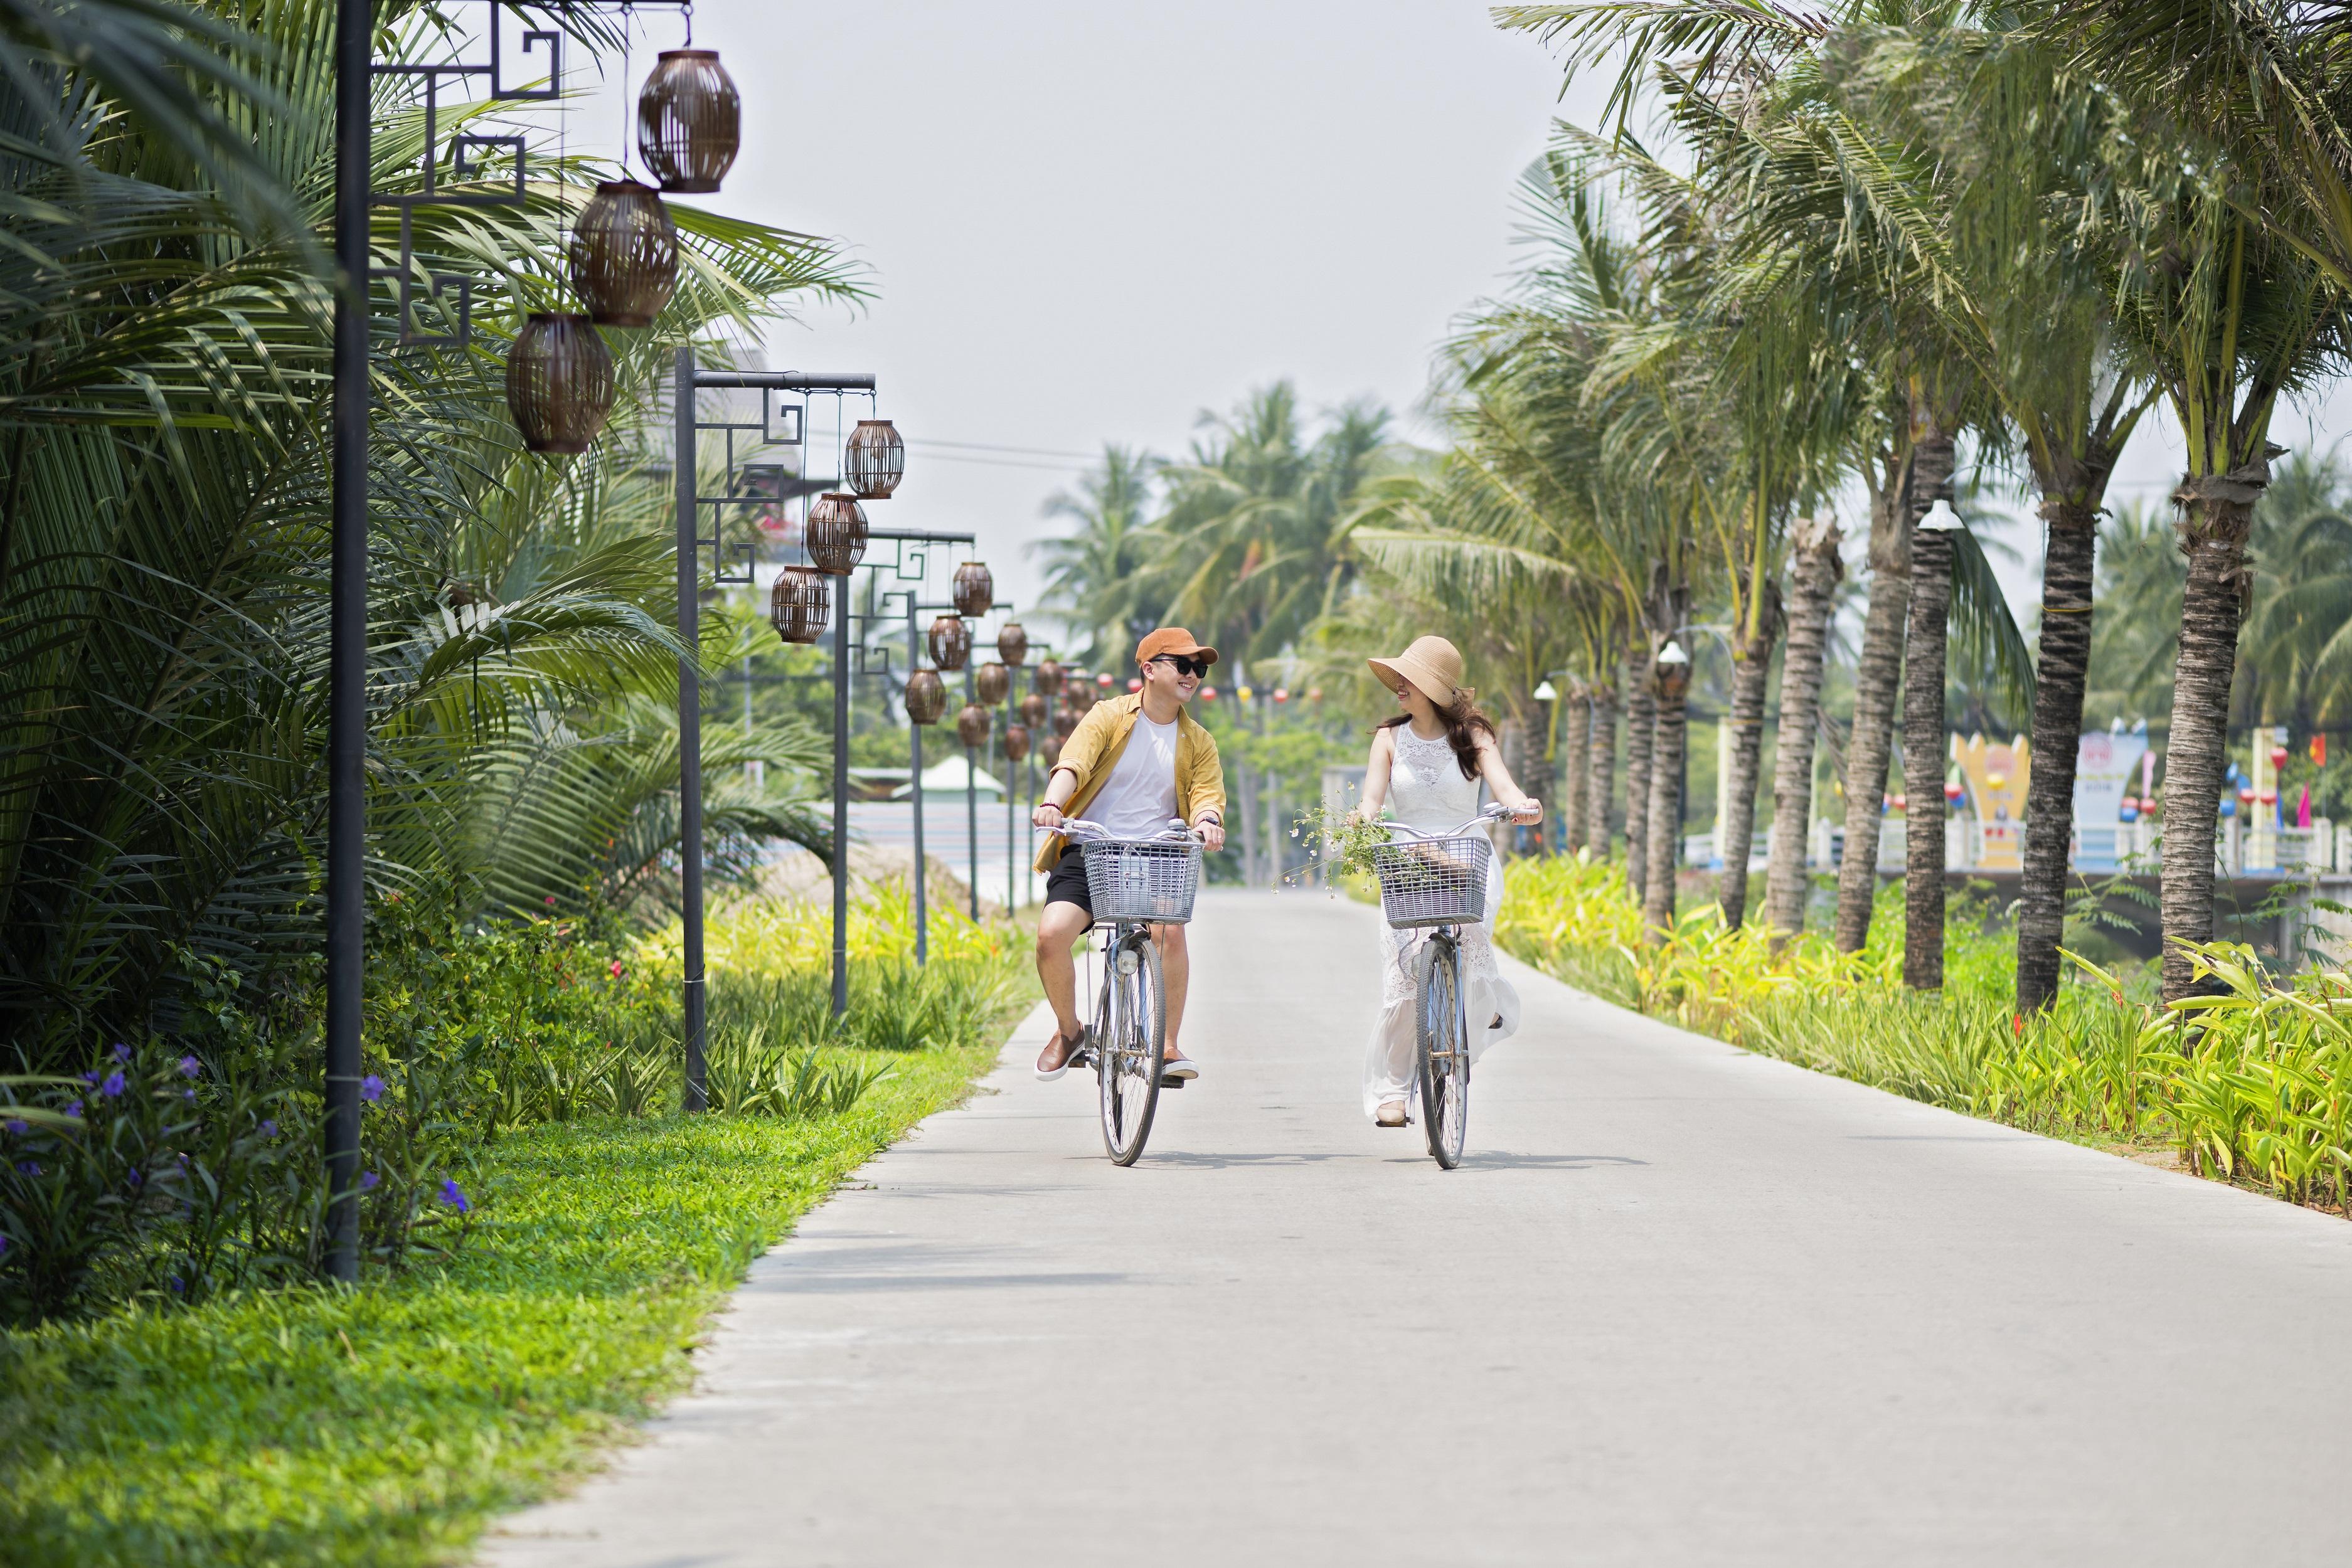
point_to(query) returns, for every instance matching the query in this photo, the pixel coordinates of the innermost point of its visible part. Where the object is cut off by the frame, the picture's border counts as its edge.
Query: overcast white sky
(1088, 220)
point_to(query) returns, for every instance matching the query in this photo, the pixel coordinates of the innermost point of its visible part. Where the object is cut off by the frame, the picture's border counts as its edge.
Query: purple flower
(454, 1196)
(371, 1089)
(91, 1077)
(4, 1247)
(112, 1087)
(367, 1180)
(122, 1052)
(189, 1095)
(74, 1109)
(29, 1167)
(268, 1129)
(137, 1178)
(18, 1125)
(175, 1283)
(190, 1067)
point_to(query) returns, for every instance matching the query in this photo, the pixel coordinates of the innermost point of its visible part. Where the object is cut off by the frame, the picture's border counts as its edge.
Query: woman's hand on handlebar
(1529, 814)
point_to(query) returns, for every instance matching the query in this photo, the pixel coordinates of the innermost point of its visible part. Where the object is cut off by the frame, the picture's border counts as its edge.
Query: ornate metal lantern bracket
(470, 152)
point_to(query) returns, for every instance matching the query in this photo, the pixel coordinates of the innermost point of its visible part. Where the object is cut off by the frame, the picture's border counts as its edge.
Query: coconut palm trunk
(1575, 767)
(1751, 669)
(1923, 725)
(1640, 730)
(1876, 679)
(2217, 513)
(1600, 771)
(1670, 727)
(1815, 568)
(2062, 666)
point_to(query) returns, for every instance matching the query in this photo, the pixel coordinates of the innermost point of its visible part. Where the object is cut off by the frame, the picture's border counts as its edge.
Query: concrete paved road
(1681, 1306)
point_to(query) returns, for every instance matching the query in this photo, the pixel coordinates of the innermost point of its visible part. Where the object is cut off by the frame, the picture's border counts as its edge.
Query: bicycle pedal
(1085, 1059)
(1168, 1082)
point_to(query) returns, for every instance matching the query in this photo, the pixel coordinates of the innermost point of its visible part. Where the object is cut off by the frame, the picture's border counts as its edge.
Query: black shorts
(1066, 882)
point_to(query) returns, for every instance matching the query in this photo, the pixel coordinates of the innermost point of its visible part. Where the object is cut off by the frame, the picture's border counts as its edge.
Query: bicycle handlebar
(1079, 827)
(1493, 813)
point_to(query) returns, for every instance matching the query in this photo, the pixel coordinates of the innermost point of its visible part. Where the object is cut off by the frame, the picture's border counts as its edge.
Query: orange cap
(1173, 640)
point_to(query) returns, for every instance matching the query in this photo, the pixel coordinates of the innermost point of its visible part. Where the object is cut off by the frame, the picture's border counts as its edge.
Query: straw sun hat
(1435, 667)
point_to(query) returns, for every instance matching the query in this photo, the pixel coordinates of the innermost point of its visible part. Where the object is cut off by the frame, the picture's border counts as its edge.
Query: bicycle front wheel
(1444, 1043)
(1127, 1062)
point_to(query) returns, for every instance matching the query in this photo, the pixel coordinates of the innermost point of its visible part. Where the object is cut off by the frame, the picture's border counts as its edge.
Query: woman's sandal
(1382, 1115)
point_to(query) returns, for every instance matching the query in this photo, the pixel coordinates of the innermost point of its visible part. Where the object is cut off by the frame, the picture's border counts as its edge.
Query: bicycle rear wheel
(1126, 1060)
(1444, 1052)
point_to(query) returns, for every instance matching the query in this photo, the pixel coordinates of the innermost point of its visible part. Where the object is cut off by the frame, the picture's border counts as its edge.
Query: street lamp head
(1546, 693)
(874, 459)
(624, 255)
(1672, 654)
(951, 641)
(971, 725)
(801, 605)
(976, 588)
(1941, 519)
(927, 696)
(559, 382)
(837, 534)
(689, 121)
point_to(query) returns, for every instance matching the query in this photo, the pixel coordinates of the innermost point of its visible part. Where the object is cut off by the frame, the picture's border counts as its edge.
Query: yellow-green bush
(2249, 1083)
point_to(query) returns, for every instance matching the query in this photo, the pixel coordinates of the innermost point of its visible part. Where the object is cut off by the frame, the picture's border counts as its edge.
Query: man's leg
(1058, 928)
(1175, 971)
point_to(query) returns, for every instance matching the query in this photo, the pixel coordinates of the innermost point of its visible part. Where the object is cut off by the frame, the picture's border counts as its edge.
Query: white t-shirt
(1139, 796)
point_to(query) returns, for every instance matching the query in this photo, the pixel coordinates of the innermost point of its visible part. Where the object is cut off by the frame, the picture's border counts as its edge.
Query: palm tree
(1092, 572)
(1249, 549)
(163, 539)
(2227, 179)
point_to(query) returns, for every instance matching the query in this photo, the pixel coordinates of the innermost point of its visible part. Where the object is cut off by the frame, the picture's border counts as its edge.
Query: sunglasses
(1185, 663)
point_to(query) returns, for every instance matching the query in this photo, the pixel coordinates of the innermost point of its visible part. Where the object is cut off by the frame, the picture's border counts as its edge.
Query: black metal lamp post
(562, 392)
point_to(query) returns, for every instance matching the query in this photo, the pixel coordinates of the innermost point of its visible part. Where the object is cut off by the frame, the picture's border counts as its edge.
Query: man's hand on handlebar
(1212, 835)
(1046, 815)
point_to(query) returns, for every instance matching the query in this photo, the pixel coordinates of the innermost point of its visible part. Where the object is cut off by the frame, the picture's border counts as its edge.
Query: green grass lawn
(388, 1425)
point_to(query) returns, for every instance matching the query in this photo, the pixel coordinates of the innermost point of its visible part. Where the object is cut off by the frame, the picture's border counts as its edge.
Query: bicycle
(1133, 885)
(1438, 882)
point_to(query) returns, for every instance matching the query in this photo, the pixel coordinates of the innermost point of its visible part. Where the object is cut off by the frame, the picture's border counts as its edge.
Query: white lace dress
(1427, 791)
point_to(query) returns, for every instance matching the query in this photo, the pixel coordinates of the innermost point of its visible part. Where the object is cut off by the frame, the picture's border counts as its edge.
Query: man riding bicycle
(1133, 764)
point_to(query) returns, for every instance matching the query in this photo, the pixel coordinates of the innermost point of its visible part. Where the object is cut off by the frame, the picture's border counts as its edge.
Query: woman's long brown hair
(1463, 722)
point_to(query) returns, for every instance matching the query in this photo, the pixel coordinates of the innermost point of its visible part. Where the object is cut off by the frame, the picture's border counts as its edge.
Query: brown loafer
(1055, 1060)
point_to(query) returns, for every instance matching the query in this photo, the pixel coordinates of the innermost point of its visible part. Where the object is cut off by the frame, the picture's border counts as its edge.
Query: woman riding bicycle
(1425, 766)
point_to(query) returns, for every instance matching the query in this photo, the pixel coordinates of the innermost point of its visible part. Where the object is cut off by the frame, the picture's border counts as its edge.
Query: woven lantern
(975, 590)
(559, 382)
(689, 121)
(1012, 645)
(625, 254)
(1032, 710)
(951, 641)
(991, 681)
(836, 533)
(971, 725)
(1066, 722)
(1051, 750)
(1046, 680)
(875, 459)
(927, 696)
(1016, 742)
(801, 605)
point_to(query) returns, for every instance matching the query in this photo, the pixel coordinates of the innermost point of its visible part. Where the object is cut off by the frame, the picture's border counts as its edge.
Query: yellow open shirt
(1093, 750)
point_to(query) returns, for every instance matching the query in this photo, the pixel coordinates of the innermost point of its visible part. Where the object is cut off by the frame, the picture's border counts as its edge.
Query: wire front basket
(1433, 882)
(1143, 879)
